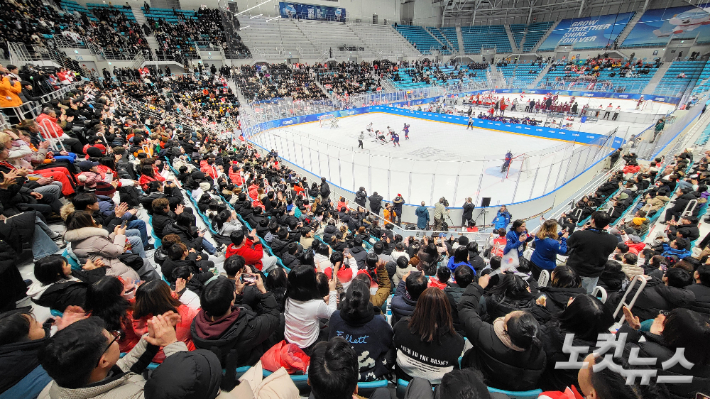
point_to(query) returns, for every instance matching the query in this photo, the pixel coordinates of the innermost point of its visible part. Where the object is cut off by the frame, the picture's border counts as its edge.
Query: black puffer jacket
(361, 198)
(655, 347)
(19, 359)
(187, 235)
(454, 293)
(654, 298)
(502, 367)
(557, 298)
(360, 255)
(553, 337)
(160, 221)
(498, 306)
(701, 304)
(402, 304)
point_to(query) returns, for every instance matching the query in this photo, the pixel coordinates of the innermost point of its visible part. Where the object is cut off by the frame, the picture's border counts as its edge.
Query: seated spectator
(681, 329)
(701, 290)
(238, 334)
(86, 354)
(367, 331)
(407, 294)
(251, 250)
(88, 239)
(508, 352)
(511, 292)
(52, 131)
(305, 307)
(59, 286)
(178, 256)
(21, 337)
(155, 298)
(564, 284)
(585, 317)
(461, 257)
(443, 274)
(334, 370)
(108, 299)
(427, 345)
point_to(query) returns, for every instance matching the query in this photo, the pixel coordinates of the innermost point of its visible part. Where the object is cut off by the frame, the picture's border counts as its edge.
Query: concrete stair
(653, 83)
(511, 39)
(540, 76)
(542, 39)
(630, 26)
(138, 13)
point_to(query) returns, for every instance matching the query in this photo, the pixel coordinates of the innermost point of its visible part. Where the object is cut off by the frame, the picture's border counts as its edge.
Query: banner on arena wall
(296, 120)
(310, 11)
(537, 131)
(586, 33)
(589, 94)
(658, 27)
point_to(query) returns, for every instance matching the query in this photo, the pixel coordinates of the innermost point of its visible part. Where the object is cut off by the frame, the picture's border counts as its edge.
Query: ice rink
(439, 159)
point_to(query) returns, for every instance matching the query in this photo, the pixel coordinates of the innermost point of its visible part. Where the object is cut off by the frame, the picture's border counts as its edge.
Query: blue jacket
(422, 217)
(512, 241)
(452, 266)
(545, 255)
(502, 220)
(680, 253)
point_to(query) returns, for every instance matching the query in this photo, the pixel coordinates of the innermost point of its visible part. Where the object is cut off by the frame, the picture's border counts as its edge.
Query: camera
(445, 202)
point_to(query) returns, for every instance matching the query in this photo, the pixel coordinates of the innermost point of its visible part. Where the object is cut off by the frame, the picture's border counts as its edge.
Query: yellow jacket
(9, 93)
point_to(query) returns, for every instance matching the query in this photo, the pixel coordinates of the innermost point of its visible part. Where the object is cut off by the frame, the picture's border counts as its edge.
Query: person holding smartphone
(548, 244)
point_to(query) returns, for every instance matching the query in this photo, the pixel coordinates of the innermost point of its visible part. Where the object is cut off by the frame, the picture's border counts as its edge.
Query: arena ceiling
(483, 12)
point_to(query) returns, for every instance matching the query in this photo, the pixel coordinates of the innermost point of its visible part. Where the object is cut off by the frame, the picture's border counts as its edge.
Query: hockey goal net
(328, 120)
(519, 164)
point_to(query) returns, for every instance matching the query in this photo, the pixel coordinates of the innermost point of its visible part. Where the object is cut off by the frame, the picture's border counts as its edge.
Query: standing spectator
(548, 244)
(589, 248)
(361, 197)
(10, 88)
(467, 216)
(324, 189)
(422, 214)
(375, 203)
(440, 212)
(397, 205)
(658, 129)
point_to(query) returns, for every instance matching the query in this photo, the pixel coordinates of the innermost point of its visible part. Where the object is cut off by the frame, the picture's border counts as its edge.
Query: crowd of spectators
(301, 271)
(273, 81)
(184, 36)
(116, 34)
(348, 77)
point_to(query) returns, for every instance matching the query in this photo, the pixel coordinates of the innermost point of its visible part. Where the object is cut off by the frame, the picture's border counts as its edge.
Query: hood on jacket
(212, 330)
(186, 375)
(84, 233)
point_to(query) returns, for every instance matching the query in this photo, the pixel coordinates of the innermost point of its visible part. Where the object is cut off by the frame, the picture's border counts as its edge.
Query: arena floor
(439, 159)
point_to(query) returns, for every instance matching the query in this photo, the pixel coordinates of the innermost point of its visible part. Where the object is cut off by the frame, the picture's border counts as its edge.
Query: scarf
(499, 328)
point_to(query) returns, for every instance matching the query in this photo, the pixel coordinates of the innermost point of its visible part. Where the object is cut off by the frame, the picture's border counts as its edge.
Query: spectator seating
(520, 76)
(279, 38)
(168, 14)
(125, 11)
(531, 33)
(477, 37)
(631, 83)
(419, 37)
(385, 40)
(72, 6)
(333, 36)
(436, 32)
(672, 84)
(703, 83)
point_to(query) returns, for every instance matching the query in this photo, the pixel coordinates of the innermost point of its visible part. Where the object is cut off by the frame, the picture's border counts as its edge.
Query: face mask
(373, 290)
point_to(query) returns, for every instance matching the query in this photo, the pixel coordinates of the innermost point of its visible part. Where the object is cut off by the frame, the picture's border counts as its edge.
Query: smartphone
(248, 278)
(123, 225)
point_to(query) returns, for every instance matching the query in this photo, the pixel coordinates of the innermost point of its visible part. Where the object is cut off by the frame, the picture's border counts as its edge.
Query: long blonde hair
(547, 230)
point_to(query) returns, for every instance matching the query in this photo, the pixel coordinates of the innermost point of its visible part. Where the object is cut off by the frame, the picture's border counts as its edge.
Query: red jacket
(145, 179)
(208, 169)
(50, 124)
(235, 177)
(250, 251)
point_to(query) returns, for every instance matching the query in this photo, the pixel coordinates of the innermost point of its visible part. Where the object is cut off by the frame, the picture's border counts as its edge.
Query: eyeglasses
(117, 335)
